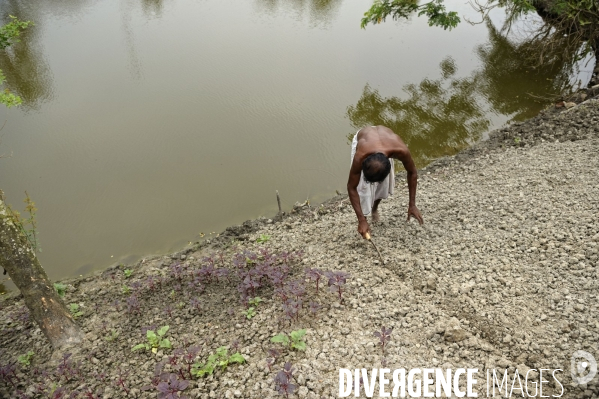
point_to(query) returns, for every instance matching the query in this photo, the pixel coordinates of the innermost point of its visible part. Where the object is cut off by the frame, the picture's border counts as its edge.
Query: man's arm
(406, 158)
(352, 191)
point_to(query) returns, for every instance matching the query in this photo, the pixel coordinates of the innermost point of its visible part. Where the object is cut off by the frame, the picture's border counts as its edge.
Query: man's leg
(375, 210)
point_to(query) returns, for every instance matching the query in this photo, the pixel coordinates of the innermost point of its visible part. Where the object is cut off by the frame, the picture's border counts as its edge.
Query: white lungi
(372, 192)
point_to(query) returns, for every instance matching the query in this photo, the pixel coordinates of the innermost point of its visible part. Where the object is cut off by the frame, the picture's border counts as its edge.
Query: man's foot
(375, 216)
(375, 211)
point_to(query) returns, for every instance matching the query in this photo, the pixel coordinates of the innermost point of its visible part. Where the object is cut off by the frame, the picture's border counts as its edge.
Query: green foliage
(128, 273)
(397, 9)
(295, 339)
(281, 338)
(219, 359)
(27, 226)
(9, 34)
(255, 301)
(436, 117)
(25, 360)
(263, 238)
(569, 24)
(61, 289)
(125, 289)
(6, 97)
(249, 312)
(112, 336)
(74, 308)
(155, 340)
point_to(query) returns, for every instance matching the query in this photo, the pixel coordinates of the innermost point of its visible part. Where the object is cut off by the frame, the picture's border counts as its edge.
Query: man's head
(376, 167)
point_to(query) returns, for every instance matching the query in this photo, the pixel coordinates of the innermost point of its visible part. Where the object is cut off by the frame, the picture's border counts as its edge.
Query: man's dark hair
(376, 167)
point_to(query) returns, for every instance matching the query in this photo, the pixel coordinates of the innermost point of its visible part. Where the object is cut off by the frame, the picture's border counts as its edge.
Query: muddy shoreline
(503, 274)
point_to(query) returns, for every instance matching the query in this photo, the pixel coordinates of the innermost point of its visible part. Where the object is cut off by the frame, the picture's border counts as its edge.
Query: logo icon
(583, 362)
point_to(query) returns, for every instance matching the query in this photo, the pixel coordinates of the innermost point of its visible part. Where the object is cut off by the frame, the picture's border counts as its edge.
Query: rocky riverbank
(502, 276)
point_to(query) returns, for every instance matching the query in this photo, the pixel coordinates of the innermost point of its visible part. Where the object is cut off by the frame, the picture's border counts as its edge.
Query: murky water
(149, 122)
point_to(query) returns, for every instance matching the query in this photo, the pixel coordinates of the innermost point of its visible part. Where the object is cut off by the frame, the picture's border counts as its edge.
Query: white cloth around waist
(369, 193)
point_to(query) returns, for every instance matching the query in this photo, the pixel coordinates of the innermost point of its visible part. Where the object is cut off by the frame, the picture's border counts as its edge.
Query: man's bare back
(373, 140)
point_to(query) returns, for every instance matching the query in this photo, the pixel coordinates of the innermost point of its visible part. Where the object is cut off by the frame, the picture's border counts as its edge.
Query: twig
(278, 201)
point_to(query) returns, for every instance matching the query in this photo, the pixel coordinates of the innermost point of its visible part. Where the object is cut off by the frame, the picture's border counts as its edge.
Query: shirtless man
(371, 176)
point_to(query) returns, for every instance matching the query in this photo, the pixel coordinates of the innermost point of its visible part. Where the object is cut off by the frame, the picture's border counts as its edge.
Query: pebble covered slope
(503, 274)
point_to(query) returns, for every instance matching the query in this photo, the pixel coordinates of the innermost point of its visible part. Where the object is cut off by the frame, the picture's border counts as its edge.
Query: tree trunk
(45, 305)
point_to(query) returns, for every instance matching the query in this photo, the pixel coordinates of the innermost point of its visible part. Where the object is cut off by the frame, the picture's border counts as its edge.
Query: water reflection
(152, 8)
(438, 118)
(27, 73)
(321, 12)
(511, 84)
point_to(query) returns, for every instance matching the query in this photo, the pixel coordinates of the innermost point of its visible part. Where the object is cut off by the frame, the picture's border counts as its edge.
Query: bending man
(371, 175)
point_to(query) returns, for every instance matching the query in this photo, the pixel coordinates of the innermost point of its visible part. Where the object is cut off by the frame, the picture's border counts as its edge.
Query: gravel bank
(503, 274)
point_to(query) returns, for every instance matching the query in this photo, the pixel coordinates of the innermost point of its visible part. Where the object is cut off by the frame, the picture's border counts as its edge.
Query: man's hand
(363, 227)
(413, 211)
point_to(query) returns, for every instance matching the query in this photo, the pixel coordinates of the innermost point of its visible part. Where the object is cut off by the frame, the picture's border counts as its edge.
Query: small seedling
(155, 340)
(295, 339)
(250, 312)
(112, 336)
(219, 359)
(255, 301)
(25, 360)
(74, 308)
(337, 280)
(315, 275)
(384, 337)
(61, 289)
(128, 273)
(126, 290)
(263, 238)
(517, 140)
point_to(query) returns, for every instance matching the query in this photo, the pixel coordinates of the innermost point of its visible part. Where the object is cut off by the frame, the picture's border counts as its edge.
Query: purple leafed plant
(8, 374)
(277, 276)
(169, 311)
(136, 286)
(384, 337)
(68, 369)
(296, 288)
(89, 393)
(196, 304)
(177, 271)
(291, 308)
(133, 305)
(172, 388)
(121, 381)
(283, 383)
(336, 281)
(314, 307)
(189, 356)
(206, 273)
(221, 274)
(315, 275)
(152, 283)
(158, 377)
(273, 354)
